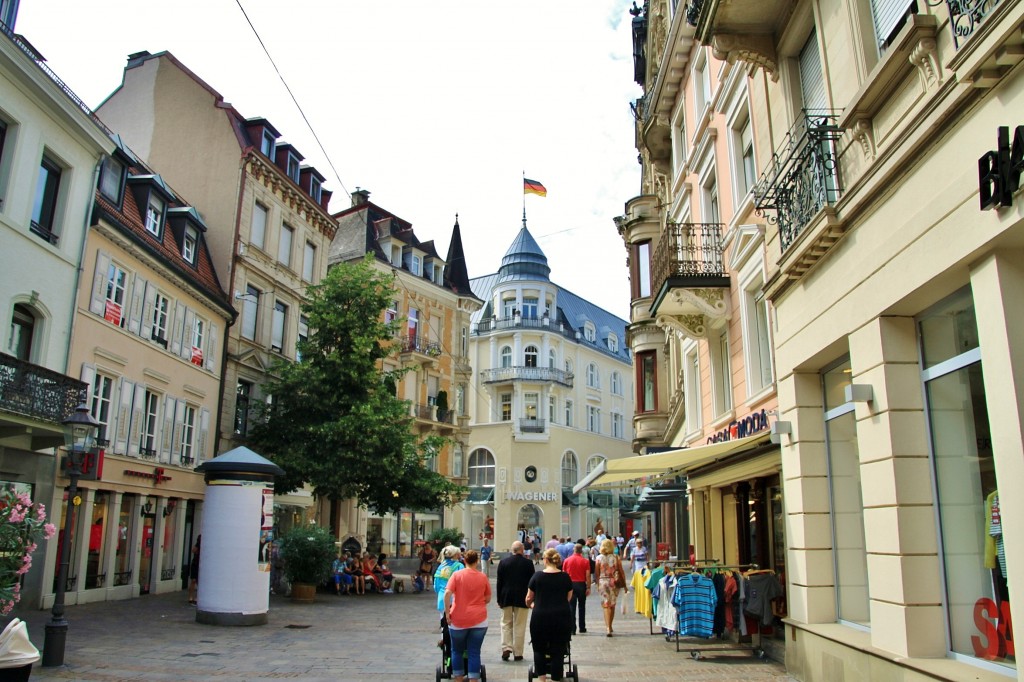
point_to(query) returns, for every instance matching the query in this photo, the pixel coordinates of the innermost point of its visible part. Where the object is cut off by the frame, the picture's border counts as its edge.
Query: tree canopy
(334, 421)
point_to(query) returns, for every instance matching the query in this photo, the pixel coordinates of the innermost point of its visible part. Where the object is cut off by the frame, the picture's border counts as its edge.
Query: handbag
(620, 577)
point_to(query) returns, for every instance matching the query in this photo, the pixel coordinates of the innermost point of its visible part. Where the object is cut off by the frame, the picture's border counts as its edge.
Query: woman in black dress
(548, 594)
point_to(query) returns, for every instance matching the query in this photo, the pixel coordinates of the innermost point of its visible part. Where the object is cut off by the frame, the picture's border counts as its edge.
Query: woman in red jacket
(465, 608)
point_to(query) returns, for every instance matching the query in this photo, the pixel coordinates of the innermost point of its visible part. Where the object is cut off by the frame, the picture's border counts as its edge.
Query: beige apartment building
(270, 228)
(434, 302)
(148, 341)
(889, 139)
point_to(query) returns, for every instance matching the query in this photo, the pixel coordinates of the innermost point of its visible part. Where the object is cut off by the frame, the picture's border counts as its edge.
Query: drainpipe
(81, 258)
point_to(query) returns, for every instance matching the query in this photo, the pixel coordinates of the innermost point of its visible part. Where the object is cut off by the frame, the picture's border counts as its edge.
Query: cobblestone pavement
(372, 637)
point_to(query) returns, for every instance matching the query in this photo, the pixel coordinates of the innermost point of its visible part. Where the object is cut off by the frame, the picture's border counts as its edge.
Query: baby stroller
(444, 670)
(570, 671)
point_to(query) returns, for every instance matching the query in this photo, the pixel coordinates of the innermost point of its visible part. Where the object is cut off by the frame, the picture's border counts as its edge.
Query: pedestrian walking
(610, 579)
(514, 573)
(485, 556)
(551, 623)
(466, 597)
(578, 568)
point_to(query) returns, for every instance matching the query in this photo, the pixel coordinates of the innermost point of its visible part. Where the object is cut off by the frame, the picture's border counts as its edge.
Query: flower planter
(303, 592)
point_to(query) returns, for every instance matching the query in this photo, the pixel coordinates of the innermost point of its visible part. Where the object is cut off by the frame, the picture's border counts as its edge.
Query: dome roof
(524, 260)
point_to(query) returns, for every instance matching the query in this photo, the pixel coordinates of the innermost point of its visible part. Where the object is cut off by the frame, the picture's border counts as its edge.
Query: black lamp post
(80, 431)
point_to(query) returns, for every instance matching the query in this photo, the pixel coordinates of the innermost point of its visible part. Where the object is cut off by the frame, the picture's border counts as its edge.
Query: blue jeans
(467, 642)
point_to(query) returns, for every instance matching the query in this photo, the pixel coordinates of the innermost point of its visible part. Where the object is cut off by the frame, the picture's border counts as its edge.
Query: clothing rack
(758, 648)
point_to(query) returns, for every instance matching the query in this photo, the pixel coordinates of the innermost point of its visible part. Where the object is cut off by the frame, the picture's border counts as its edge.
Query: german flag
(534, 187)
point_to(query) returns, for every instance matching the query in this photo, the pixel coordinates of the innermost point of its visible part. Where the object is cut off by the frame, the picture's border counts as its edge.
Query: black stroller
(570, 671)
(444, 670)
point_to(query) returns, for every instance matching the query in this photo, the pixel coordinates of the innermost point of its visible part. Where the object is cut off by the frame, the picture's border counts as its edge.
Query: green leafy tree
(334, 421)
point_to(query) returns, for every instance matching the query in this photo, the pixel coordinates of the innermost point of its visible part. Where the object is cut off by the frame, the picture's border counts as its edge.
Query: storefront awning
(617, 473)
(480, 496)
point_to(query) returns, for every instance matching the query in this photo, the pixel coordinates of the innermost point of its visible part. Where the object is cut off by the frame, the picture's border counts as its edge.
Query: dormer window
(413, 262)
(112, 179)
(188, 245)
(613, 343)
(155, 215)
(590, 332)
(293, 168)
(314, 189)
(267, 144)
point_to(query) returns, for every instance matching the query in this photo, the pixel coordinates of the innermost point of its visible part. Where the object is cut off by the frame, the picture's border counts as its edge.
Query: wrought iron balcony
(965, 16)
(38, 393)
(414, 343)
(688, 256)
(502, 374)
(803, 175)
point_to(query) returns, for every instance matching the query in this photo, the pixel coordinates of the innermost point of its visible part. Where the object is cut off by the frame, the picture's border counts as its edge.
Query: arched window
(593, 376)
(570, 469)
(530, 356)
(23, 329)
(616, 383)
(590, 332)
(593, 462)
(506, 356)
(613, 343)
(481, 468)
(552, 358)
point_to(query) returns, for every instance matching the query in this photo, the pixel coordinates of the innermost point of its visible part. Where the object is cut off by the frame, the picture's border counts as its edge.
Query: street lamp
(80, 431)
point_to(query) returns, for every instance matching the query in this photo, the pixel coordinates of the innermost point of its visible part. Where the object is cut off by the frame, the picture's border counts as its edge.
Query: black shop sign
(999, 171)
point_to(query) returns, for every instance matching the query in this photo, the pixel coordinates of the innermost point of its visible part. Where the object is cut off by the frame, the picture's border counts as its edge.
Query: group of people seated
(353, 575)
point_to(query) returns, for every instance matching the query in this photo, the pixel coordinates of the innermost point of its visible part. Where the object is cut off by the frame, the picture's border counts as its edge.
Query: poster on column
(266, 530)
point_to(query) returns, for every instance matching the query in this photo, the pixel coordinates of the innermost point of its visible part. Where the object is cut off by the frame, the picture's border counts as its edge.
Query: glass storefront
(849, 553)
(170, 529)
(977, 601)
(94, 572)
(123, 558)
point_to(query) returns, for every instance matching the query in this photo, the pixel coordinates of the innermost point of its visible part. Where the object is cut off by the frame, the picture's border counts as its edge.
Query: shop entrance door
(146, 566)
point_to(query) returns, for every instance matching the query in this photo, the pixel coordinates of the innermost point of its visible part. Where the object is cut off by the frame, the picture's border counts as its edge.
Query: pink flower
(48, 530)
(40, 512)
(31, 548)
(25, 499)
(17, 515)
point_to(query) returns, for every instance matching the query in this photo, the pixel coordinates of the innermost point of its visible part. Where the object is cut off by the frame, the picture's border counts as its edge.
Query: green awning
(480, 496)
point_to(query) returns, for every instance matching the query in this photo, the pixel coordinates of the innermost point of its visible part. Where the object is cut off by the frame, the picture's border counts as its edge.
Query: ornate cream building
(551, 398)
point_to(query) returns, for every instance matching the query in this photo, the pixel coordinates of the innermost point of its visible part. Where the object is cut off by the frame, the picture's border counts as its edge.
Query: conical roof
(524, 260)
(456, 276)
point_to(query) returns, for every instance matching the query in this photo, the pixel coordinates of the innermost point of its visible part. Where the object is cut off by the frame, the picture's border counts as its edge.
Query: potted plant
(442, 405)
(307, 552)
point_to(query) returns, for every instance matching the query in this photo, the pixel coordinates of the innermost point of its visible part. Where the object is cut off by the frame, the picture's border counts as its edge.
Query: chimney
(360, 196)
(136, 58)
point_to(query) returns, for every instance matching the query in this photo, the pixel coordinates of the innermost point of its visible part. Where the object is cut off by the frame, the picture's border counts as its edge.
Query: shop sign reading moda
(741, 428)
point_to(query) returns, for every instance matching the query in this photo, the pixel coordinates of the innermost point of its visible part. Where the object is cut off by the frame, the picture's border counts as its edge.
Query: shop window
(970, 519)
(123, 556)
(849, 554)
(95, 572)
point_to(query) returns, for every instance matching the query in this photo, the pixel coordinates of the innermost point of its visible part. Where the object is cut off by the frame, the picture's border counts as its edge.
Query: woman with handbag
(610, 579)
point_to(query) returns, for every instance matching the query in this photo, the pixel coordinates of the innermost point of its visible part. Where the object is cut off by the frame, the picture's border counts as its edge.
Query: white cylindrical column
(234, 568)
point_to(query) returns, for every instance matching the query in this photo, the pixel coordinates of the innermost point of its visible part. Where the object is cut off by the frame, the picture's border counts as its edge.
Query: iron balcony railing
(500, 374)
(414, 343)
(691, 252)
(31, 54)
(803, 175)
(965, 16)
(36, 392)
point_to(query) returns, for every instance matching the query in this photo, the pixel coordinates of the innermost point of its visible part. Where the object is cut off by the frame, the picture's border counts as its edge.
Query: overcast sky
(435, 107)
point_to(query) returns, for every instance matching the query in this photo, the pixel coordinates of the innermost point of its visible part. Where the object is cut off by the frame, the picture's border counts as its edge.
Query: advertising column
(234, 571)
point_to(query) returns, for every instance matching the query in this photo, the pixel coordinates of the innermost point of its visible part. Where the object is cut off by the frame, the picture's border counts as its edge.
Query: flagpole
(524, 198)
